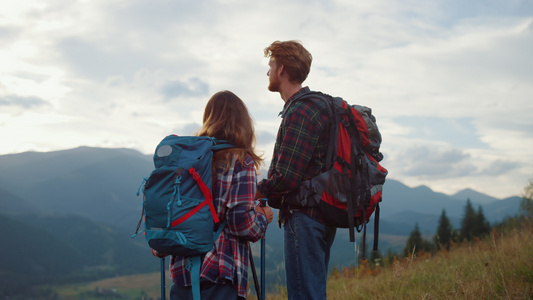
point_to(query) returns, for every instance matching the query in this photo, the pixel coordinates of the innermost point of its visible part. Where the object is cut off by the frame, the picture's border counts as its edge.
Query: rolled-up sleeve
(242, 219)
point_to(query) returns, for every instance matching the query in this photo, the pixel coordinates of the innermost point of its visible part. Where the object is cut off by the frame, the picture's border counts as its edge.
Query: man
(299, 154)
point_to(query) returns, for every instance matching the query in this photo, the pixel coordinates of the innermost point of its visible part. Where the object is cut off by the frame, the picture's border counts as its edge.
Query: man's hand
(259, 195)
(266, 211)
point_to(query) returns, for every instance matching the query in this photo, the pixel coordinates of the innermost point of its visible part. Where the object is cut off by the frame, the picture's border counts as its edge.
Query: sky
(449, 81)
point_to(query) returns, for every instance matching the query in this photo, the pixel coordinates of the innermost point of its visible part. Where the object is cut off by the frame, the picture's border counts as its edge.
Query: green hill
(59, 249)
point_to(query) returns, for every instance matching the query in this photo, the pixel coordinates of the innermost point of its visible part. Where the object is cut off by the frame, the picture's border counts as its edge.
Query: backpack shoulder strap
(221, 144)
(334, 105)
(305, 96)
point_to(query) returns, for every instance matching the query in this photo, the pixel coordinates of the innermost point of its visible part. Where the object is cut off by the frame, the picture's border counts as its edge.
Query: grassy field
(143, 286)
(498, 267)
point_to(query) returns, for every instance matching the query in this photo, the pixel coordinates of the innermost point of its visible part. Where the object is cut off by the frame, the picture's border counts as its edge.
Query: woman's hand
(157, 254)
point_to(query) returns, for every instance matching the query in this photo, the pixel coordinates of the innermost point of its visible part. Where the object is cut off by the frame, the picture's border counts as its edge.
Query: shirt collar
(293, 98)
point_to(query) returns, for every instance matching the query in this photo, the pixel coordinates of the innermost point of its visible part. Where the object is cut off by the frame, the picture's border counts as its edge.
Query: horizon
(264, 170)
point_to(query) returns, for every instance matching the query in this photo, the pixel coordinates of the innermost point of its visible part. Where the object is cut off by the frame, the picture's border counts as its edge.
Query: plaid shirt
(299, 153)
(234, 200)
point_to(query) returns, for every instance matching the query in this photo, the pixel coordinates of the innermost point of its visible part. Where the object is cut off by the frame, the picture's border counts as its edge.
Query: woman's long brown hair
(226, 117)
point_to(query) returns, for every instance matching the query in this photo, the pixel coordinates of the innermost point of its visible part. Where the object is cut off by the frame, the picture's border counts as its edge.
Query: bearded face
(274, 83)
(273, 76)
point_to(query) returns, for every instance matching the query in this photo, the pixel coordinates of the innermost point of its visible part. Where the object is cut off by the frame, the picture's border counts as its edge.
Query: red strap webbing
(208, 200)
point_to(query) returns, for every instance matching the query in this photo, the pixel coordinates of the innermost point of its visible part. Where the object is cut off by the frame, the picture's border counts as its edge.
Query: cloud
(265, 137)
(96, 61)
(456, 132)
(193, 87)
(23, 102)
(433, 162)
(9, 33)
(450, 82)
(500, 167)
(188, 129)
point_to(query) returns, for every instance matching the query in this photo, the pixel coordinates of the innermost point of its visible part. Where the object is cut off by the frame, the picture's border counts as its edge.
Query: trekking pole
(263, 275)
(162, 278)
(262, 269)
(254, 273)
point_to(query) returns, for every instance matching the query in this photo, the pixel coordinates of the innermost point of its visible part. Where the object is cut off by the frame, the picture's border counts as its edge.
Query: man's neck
(289, 90)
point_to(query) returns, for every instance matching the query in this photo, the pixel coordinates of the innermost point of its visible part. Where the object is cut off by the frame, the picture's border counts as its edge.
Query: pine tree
(468, 225)
(482, 225)
(445, 233)
(415, 243)
(526, 206)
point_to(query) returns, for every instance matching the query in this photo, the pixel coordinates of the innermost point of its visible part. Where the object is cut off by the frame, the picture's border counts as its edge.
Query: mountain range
(72, 213)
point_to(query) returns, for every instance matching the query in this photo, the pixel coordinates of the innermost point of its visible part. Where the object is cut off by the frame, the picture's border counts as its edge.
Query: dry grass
(499, 267)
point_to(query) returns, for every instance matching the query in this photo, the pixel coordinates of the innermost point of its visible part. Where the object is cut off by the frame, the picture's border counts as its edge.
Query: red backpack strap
(208, 200)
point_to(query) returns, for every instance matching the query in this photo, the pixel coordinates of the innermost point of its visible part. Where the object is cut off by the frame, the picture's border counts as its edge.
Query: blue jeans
(307, 249)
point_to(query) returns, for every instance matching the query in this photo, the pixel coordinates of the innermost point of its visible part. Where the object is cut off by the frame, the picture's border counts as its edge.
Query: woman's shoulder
(247, 161)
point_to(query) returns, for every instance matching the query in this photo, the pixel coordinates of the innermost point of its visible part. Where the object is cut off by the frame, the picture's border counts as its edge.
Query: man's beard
(273, 84)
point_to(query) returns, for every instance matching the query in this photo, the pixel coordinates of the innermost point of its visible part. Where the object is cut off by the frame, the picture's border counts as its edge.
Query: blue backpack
(178, 210)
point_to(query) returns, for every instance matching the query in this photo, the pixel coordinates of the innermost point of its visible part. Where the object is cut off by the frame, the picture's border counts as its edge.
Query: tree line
(474, 226)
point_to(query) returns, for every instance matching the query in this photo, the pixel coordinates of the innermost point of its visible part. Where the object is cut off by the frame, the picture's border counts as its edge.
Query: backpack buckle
(194, 174)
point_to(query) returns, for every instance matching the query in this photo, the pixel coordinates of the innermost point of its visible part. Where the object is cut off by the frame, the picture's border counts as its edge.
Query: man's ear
(281, 70)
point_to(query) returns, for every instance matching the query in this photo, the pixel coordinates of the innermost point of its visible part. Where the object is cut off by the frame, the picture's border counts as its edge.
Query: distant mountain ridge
(85, 198)
(100, 184)
(471, 194)
(97, 183)
(107, 179)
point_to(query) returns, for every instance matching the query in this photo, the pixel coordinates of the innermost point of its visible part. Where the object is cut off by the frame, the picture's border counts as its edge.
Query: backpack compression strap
(208, 200)
(195, 264)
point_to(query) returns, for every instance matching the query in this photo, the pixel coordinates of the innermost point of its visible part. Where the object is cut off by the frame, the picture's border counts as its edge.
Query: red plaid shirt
(300, 151)
(234, 200)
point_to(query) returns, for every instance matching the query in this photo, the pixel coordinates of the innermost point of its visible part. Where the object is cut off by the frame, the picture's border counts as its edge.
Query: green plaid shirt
(299, 153)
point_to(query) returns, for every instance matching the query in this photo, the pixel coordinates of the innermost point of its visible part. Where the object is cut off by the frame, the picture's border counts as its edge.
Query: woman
(224, 271)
